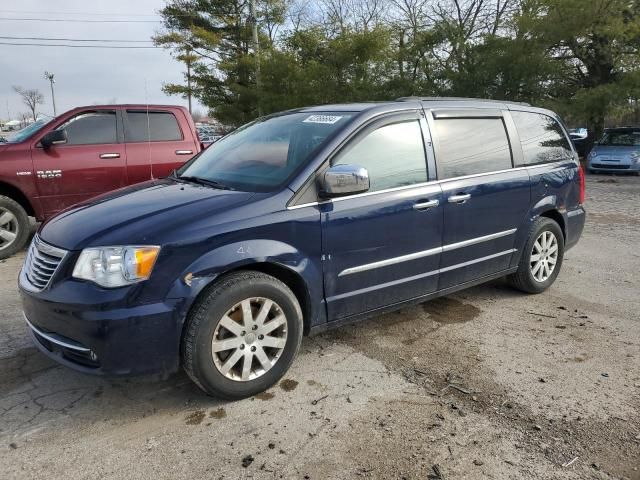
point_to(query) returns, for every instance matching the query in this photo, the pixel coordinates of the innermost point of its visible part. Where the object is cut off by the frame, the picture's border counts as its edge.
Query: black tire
(19, 227)
(207, 313)
(523, 278)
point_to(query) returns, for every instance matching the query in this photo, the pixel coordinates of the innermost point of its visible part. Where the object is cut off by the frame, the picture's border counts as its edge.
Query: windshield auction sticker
(330, 119)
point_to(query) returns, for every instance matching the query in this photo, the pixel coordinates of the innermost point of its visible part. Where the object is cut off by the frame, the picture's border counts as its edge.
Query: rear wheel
(14, 227)
(242, 335)
(541, 259)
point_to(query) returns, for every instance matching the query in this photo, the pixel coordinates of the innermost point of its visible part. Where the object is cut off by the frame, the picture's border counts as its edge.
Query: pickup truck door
(91, 162)
(383, 246)
(157, 142)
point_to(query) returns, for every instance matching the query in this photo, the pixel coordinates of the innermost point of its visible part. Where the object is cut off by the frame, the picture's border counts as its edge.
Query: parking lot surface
(487, 383)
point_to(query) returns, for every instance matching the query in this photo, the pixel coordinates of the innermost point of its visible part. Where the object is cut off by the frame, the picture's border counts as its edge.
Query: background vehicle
(578, 133)
(299, 221)
(208, 135)
(580, 139)
(87, 151)
(618, 151)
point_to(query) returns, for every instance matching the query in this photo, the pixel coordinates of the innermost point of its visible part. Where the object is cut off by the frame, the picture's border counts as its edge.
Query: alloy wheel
(8, 228)
(249, 339)
(544, 256)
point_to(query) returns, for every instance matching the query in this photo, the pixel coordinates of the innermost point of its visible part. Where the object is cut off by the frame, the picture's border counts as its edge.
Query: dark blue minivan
(297, 222)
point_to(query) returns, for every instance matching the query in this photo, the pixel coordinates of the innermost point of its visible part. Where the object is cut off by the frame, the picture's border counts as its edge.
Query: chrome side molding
(427, 253)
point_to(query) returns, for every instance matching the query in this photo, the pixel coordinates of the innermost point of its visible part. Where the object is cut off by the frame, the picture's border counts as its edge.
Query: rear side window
(393, 155)
(468, 146)
(542, 138)
(154, 126)
(91, 128)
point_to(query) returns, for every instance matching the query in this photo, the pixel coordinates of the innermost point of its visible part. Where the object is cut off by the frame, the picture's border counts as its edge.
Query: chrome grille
(42, 262)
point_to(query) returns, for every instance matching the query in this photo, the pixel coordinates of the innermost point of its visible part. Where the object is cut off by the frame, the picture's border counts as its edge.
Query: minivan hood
(141, 214)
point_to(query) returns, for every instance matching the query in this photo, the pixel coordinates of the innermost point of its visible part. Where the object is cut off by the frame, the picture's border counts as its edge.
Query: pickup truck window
(468, 146)
(91, 128)
(393, 155)
(542, 138)
(261, 156)
(154, 126)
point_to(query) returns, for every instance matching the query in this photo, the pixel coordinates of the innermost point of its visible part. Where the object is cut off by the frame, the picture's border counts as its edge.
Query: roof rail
(458, 99)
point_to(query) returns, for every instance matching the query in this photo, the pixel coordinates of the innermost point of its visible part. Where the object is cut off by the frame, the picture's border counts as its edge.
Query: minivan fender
(547, 206)
(277, 258)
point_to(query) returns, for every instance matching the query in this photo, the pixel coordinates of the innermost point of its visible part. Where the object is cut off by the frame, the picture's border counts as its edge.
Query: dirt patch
(450, 310)
(613, 219)
(265, 396)
(288, 385)
(195, 418)
(219, 413)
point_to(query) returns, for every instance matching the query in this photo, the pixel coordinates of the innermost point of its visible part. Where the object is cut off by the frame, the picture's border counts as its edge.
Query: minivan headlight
(112, 267)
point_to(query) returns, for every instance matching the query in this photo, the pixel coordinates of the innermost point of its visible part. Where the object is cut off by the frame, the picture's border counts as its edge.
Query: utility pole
(256, 46)
(188, 61)
(50, 77)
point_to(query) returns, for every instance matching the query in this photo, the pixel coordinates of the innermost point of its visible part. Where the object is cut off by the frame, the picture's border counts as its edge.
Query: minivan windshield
(621, 138)
(262, 155)
(26, 132)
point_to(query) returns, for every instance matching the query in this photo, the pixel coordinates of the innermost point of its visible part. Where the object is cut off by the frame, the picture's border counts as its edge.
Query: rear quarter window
(542, 138)
(152, 126)
(469, 146)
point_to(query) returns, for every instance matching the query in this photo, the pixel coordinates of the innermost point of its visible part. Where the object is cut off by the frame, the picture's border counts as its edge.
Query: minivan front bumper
(101, 338)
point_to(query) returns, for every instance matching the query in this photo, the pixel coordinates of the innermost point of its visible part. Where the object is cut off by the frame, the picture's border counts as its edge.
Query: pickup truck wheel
(541, 258)
(14, 227)
(242, 335)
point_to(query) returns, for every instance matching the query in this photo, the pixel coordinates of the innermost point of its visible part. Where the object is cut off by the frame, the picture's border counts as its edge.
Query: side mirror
(54, 137)
(345, 180)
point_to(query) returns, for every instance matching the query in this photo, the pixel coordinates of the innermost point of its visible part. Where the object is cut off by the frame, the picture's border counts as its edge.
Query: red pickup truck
(84, 152)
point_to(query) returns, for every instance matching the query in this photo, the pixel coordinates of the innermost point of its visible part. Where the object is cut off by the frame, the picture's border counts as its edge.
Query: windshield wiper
(205, 181)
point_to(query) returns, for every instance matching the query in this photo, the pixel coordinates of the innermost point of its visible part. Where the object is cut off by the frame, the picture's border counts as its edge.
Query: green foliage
(596, 44)
(579, 57)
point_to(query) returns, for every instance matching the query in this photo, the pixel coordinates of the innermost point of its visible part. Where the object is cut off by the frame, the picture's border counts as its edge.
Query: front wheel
(541, 259)
(242, 335)
(14, 227)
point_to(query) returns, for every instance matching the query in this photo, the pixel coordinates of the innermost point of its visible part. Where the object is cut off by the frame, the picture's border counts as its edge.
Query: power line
(58, 39)
(77, 20)
(74, 46)
(90, 14)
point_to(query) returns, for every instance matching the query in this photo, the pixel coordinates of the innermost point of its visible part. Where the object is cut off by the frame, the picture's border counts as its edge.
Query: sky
(84, 76)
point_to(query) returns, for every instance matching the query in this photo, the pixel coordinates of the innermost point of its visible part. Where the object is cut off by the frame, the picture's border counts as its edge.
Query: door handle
(184, 152)
(426, 205)
(463, 197)
(109, 155)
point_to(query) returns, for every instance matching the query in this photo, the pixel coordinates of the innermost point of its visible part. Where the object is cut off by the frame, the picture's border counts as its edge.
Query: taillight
(582, 183)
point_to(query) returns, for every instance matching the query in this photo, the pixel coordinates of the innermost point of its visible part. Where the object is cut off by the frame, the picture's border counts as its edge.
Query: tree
(578, 57)
(596, 45)
(219, 33)
(31, 98)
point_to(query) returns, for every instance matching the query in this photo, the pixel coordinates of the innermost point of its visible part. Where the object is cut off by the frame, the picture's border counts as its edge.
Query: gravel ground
(487, 383)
